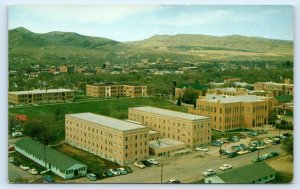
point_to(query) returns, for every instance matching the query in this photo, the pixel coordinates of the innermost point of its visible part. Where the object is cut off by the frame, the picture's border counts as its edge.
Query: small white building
(59, 163)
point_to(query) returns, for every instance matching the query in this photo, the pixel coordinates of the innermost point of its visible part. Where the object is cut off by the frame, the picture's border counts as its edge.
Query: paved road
(16, 175)
(186, 168)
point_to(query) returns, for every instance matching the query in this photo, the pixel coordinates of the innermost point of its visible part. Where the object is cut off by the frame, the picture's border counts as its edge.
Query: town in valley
(170, 108)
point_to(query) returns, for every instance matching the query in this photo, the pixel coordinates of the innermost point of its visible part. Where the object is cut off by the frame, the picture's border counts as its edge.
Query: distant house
(252, 173)
(59, 163)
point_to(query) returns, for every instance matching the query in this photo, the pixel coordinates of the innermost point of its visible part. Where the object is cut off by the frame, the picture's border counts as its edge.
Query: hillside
(26, 47)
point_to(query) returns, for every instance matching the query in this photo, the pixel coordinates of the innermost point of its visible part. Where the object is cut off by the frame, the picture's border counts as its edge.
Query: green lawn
(117, 108)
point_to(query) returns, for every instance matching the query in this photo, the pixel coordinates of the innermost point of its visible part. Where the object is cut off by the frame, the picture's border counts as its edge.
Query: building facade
(233, 112)
(230, 91)
(41, 96)
(67, 69)
(112, 139)
(275, 89)
(113, 90)
(59, 163)
(191, 129)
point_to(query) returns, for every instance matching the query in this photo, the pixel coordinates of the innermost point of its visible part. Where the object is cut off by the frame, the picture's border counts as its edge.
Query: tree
(288, 145)
(190, 96)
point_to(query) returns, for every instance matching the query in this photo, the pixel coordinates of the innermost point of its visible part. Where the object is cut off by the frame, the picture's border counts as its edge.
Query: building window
(126, 147)
(126, 139)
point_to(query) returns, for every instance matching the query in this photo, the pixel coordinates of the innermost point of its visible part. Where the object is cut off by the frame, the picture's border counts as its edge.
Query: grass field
(117, 108)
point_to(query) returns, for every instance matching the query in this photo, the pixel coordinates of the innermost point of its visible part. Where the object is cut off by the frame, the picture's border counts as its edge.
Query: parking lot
(188, 168)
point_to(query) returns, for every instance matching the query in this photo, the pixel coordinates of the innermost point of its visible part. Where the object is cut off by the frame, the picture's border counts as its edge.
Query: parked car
(153, 161)
(253, 143)
(139, 165)
(173, 181)
(146, 163)
(202, 149)
(287, 134)
(224, 151)
(232, 154)
(243, 152)
(11, 159)
(225, 167)
(267, 140)
(273, 154)
(91, 176)
(242, 136)
(115, 172)
(33, 171)
(122, 171)
(264, 156)
(11, 148)
(252, 133)
(48, 179)
(257, 159)
(260, 147)
(108, 173)
(209, 172)
(17, 134)
(128, 169)
(251, 148)
(276, 141)
(24, 167)
(234, 139)
(236, 148)
(217, 143)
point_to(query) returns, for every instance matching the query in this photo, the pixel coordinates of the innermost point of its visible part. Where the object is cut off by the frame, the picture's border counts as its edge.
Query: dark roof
(247, 174)
(193, 86)
(57, 159)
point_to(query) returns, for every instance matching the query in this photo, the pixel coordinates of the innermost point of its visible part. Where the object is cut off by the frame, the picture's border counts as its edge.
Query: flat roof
(273, 83)
(107, 121)
(38, 91)
(169, 113)
(164, 143)
(231, 99)
(117, 84)
(152, 132)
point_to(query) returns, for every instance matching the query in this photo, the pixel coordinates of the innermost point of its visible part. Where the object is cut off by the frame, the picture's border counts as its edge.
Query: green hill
(56, 48)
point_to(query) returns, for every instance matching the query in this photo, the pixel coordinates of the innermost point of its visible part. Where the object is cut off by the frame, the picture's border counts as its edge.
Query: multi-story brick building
(112, 139)
(41, 96)
(191, 129)
(275, 89)
(114, 90)
(233, 112)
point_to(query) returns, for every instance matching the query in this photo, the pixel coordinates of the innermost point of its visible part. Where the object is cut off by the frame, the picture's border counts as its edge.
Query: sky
(138, 22)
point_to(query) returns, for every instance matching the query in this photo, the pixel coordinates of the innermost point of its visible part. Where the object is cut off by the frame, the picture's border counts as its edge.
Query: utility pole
(220, 150)
(161, 172)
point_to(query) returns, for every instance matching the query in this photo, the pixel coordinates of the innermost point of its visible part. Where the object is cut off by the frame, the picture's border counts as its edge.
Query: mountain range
(72, 48)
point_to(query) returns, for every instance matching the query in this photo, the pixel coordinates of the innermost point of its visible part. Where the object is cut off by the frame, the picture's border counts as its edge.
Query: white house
(59, 163)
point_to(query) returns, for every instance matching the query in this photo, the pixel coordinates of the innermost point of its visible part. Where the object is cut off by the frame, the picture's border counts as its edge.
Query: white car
(17, 134)
(260, 147)
(115, 172)
(33, 171)
(209, 172)
(203, 149)
(173, 181)
(267, 140)
(225, 167)
(24, 167)
(243, 152)
(139, 165)
(153, 161)
(122, 171)
(11, 159)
